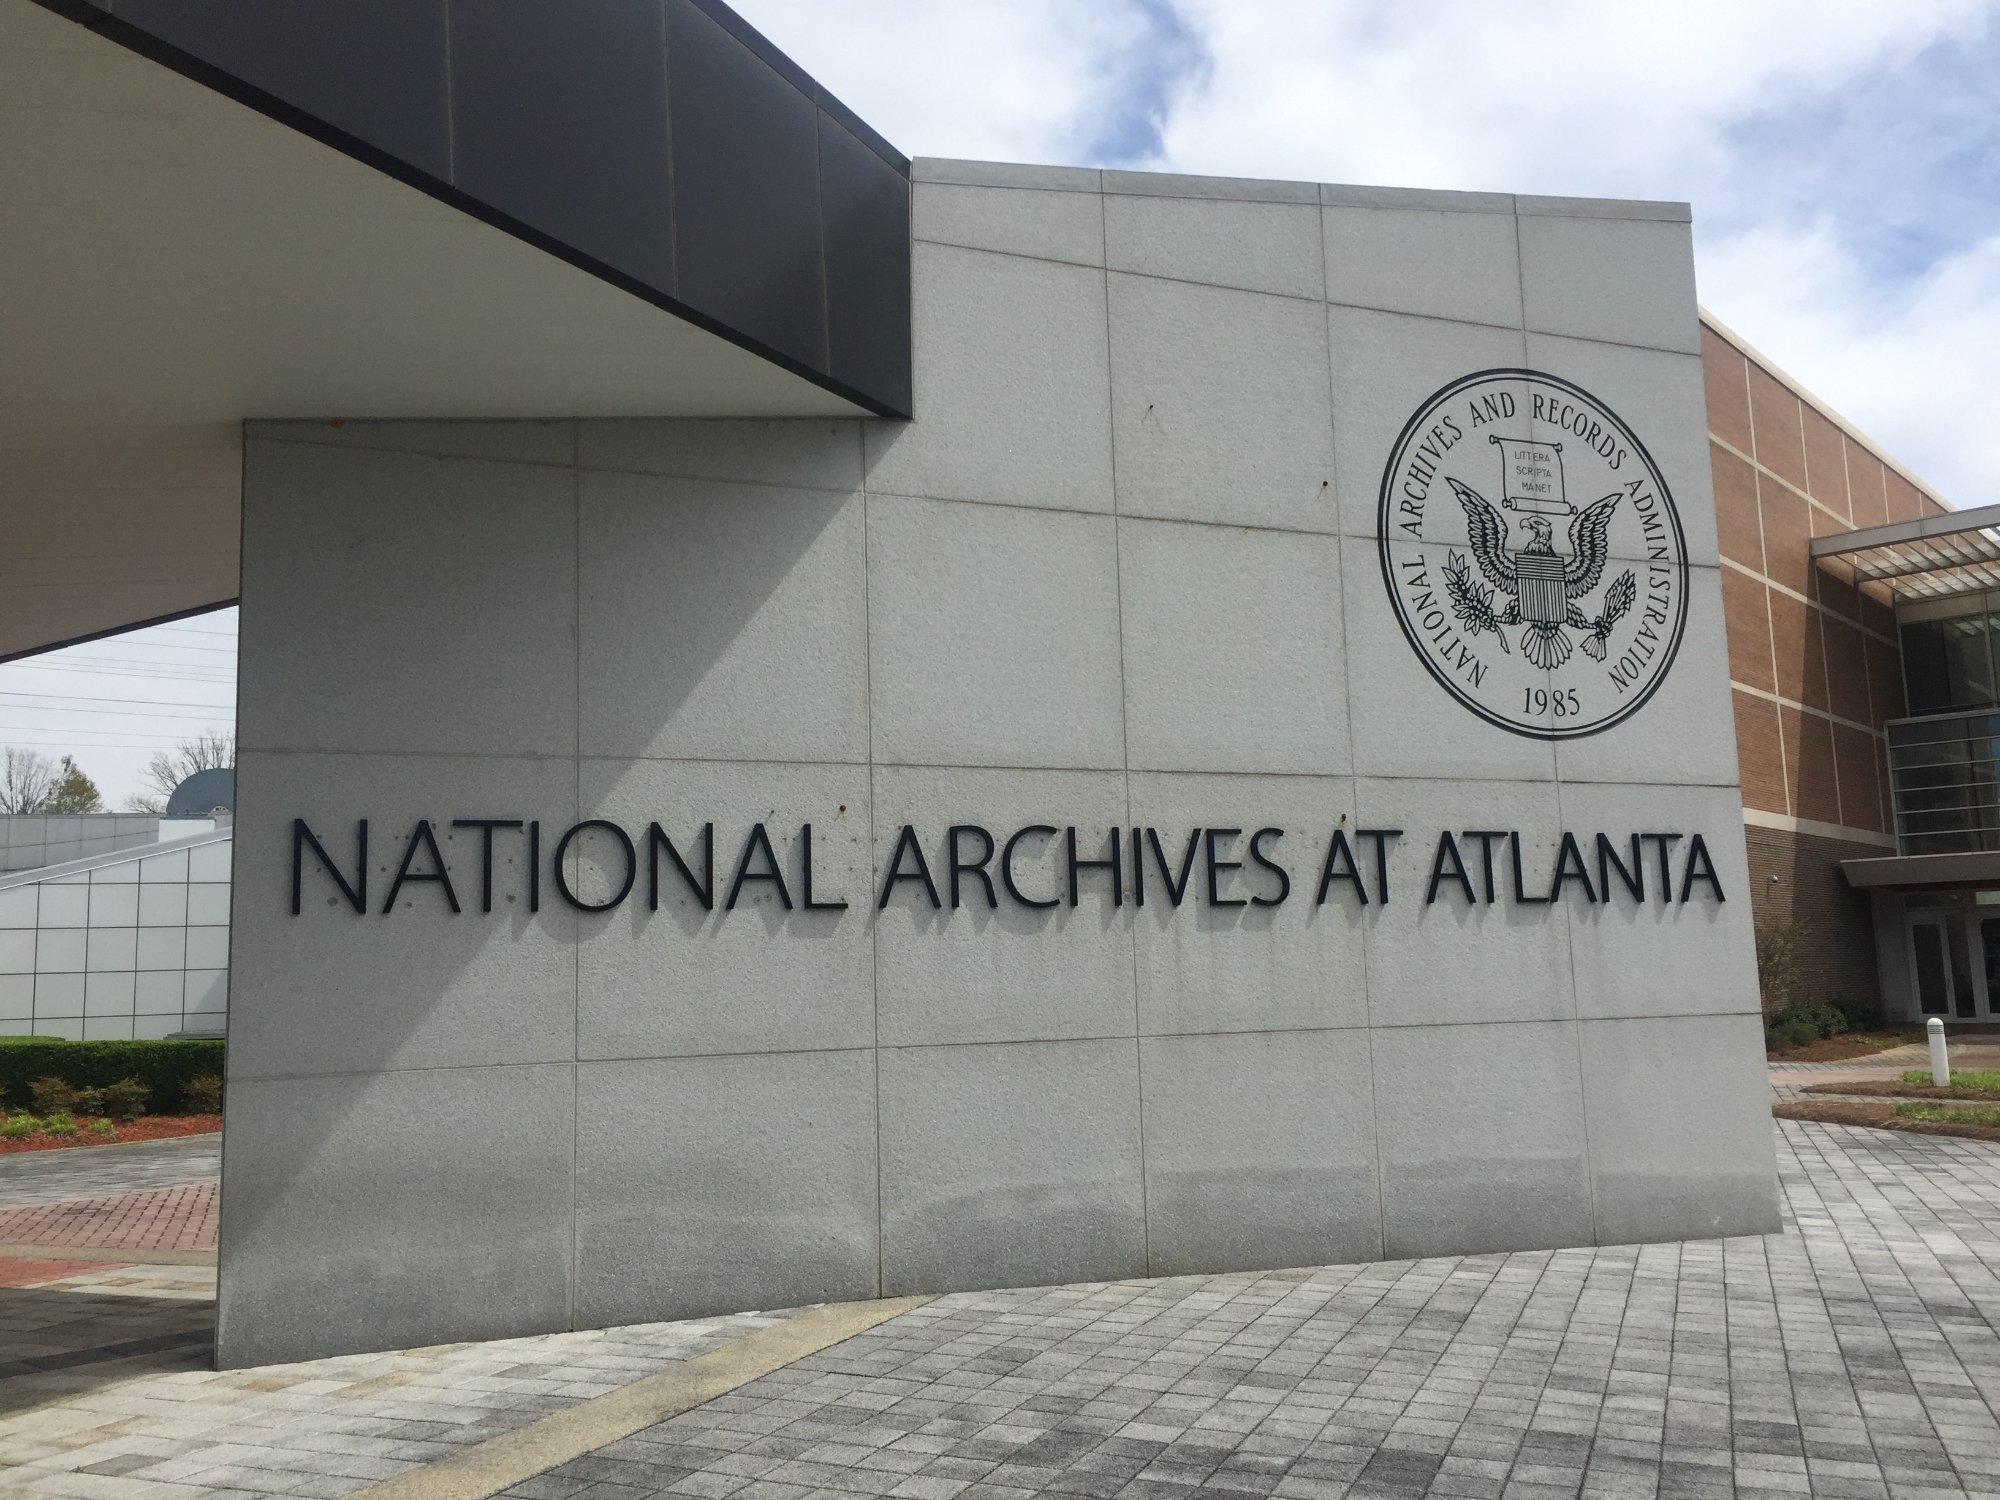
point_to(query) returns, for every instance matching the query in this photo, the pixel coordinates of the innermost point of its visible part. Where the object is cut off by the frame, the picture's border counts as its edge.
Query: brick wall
(1813, 660)
(1795, 878)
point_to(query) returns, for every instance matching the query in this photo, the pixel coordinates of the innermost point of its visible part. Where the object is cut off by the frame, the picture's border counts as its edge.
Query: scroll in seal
(1533, 554)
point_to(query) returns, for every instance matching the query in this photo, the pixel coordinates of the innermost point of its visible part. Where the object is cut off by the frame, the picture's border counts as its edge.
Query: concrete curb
(109, 1256)
(499, 1463)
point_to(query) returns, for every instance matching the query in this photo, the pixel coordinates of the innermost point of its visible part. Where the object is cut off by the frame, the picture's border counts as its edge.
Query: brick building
(1868, 797)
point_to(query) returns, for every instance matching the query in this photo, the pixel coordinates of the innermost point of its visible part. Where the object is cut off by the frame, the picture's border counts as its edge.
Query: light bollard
(1940, 1059)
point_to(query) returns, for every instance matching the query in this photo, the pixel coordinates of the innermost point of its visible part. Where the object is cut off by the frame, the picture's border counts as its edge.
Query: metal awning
(1972, 870)
(1935, 557)
(398, 210)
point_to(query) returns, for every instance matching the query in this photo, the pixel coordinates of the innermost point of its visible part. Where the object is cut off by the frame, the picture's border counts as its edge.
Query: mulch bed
(145, 1128)
(1890, 1088)
(1879, 1116)
(1847, 1047)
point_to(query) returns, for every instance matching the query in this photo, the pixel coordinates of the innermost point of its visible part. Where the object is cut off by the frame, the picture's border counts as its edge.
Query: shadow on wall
(384, 595)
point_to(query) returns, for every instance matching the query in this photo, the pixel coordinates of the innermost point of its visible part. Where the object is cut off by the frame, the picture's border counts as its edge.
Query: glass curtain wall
(1944, 761)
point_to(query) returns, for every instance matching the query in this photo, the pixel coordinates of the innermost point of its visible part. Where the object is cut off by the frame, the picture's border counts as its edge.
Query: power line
(103, 739)
(138, 645)
(222, 679)
(117, 713)
(109, 713)
(78, 663)
(94, 698)
(67, 744)
(140, 661)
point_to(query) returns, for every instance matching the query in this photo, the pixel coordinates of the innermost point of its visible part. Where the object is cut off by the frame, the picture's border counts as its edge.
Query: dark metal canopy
(1977, 869)
(663, 145)
(219, 211)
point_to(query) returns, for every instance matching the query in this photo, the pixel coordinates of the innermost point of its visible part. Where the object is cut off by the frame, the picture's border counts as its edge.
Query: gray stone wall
(31, 841)
(1120, 571)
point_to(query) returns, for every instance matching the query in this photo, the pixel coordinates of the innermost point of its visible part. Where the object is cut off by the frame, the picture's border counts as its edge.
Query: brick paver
(173, 1218)
(1855, 1354)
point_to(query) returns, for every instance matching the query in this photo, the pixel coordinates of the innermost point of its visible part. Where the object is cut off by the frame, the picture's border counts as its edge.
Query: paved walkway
(1854, 1354)
(170, 1218)
(90, 1209)
(99, 1171)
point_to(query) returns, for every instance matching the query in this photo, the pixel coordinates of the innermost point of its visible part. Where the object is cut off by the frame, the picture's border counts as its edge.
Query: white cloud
(1570, 96)
(1712, 101)
(1911, 365)
(993, 80)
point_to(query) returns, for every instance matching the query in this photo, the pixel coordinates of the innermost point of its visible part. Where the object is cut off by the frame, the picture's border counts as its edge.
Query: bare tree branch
(27, 780)
(168, 769)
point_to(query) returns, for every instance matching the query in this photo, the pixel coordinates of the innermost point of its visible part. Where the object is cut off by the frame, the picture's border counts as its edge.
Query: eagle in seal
(1545, 587)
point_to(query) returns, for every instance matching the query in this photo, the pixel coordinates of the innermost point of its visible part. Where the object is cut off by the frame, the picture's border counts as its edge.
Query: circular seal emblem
(1533, 554)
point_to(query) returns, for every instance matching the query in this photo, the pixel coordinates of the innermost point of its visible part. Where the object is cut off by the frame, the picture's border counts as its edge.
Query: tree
(168, 769)
(27, 778)
(74, 792)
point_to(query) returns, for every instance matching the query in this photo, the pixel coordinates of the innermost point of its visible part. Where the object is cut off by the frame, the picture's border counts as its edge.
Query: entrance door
(1986, 963)
(1930, 963)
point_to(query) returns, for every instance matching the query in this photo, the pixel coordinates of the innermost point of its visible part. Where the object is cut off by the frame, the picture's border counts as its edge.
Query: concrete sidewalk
(1854, 1354)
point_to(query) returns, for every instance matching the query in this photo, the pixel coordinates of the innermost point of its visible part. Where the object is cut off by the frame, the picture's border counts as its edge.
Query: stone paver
(171, 1218)
(101, 1171)
(1853, 1355)
(32, 1271)
(102, 1317)
(157, 1420)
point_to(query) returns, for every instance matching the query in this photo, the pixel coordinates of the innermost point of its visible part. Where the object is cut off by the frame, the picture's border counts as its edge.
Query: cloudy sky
(1842, 157)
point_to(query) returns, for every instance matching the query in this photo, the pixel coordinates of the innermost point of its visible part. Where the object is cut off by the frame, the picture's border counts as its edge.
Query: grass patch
(1951, 1114)
(1883, 1114)
(1890, 1088)
(1979, 1080)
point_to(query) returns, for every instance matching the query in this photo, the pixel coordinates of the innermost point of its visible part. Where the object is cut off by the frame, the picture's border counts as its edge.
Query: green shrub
(164, 1067)
(1796, 1025)
(87, 1102)
(1785, 1034)
(52, 1095)
(125, 1099)
(202, 1095)
(100, 1127)
(62, 1122)
(15, 1126)
(1863, 1014)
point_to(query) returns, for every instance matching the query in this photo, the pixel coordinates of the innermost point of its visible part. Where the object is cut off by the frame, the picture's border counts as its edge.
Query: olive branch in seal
(1471, 600)
(1617, 599)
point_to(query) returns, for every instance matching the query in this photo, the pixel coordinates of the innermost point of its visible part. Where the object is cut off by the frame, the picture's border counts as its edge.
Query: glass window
(1989, 948)
(1933, 988)
(1961, 971)
(1948, 664)
(1944, 772)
